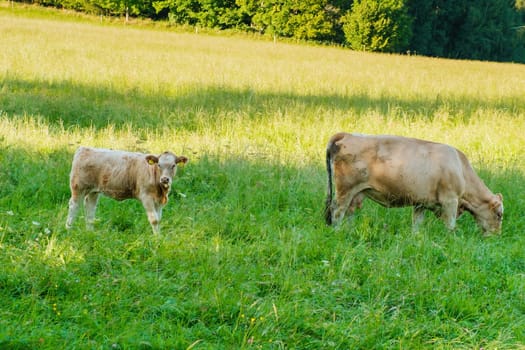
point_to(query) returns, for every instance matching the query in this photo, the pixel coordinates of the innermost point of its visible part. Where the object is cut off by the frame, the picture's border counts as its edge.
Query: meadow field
(244, 259)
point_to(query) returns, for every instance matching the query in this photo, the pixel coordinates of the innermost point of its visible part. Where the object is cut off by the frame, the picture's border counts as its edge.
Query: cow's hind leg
(90, 205)
(74, 205)
(344, 204)
(356, 203)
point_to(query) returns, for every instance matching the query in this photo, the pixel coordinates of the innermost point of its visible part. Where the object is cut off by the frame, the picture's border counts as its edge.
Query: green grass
(244, 259)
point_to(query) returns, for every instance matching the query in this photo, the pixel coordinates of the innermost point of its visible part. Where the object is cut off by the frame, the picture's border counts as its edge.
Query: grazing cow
(121, 175)
(396, 171)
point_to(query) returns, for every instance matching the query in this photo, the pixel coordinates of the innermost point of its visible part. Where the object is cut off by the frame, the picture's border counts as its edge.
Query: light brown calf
(121, 175)
(396, 171)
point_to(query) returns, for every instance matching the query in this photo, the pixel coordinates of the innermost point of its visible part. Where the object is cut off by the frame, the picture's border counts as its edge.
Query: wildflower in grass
(55, 310)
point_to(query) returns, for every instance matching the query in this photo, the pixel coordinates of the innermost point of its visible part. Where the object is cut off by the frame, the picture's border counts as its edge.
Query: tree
(220, 14)
(119, 7)
(377, 25)
(473, 29)
(423, 21)
(486, 31)
(301, 19)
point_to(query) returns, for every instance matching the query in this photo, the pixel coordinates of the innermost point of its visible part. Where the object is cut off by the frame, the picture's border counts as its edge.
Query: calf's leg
(74, 205)
(154, 213)
(90, 205)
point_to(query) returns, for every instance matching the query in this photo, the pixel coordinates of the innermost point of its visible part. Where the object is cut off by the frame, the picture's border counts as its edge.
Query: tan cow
(396, 171)
(121, 175)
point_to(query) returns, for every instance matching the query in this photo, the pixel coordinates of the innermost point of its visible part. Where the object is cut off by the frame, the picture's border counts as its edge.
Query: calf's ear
(151, 159)
(181, 159)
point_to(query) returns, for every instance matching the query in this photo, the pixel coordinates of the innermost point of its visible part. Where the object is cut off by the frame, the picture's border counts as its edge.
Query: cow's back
(407, 168)
(111, 172)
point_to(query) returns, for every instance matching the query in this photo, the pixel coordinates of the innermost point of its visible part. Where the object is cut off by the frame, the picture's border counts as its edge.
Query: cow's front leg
(90, 205)
(154, 213)
(418, 215)
(449, 210)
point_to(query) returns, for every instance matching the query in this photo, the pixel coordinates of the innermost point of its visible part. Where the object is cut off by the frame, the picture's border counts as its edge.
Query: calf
(396, 171)
(121, 175)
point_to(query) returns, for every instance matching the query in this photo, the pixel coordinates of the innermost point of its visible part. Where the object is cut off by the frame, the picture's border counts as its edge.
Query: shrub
(377, 25)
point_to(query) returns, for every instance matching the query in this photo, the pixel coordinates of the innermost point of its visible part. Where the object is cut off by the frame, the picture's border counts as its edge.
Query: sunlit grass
(244, 259)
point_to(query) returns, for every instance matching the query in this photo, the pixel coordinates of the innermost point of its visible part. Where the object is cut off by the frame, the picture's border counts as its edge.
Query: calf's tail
(329, 191)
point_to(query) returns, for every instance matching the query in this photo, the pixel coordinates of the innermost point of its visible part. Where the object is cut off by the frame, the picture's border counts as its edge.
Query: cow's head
(167, 164)
(490, 214)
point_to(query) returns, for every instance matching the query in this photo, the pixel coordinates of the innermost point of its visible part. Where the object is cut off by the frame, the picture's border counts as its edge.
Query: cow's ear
(151, 159)
(496, 201)
(181, 159)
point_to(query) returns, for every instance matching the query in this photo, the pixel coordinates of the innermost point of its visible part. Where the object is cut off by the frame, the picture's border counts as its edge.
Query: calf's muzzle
(165, 181)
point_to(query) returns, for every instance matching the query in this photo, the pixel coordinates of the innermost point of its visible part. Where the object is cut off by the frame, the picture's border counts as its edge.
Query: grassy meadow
(244, 259)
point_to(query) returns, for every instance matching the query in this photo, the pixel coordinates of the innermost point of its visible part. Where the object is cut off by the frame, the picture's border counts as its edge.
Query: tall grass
(244, 259)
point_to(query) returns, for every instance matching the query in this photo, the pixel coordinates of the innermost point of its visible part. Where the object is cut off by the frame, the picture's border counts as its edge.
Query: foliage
(244, 259)
(377, 25)
(423, 22)
(466, 29)
(298, 19)
(204, 13)
(485, 30)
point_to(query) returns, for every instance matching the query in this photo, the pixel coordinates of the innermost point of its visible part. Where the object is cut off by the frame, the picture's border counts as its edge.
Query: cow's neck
(476, 192)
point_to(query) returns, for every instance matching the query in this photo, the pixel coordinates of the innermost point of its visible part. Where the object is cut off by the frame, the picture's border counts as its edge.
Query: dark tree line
(470, 29)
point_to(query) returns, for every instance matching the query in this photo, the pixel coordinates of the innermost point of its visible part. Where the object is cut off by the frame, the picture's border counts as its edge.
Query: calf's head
(166, 164)
(490, 214)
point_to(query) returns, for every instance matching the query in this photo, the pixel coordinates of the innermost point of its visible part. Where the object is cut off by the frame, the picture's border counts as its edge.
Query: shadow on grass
(18, 345)
(80, 105)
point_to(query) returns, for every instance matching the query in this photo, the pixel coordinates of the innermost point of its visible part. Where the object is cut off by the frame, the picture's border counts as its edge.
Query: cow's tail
(329, 190)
